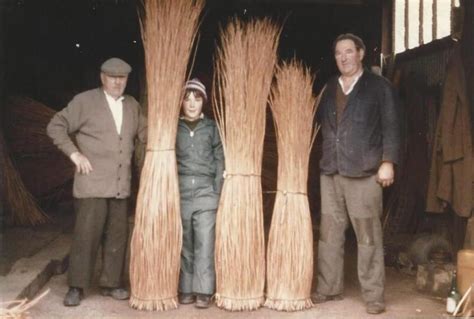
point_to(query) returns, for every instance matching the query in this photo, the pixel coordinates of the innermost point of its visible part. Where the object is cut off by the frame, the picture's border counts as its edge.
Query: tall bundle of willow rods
(244, 65)
(168, 30)
(290, 244)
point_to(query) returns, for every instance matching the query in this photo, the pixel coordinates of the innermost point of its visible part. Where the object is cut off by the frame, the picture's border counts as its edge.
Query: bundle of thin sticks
(168, 30)
(42, 167)
(22, 207)
(18, 309)
(244, 67)
(290, 245)
(26, 127)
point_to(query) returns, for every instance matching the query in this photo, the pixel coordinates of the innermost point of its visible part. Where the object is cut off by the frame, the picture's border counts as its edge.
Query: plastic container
(465, 268)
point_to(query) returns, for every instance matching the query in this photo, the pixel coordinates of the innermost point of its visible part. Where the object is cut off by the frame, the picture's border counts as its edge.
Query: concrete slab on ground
(23, 242)
(29, 256)
(29, 274)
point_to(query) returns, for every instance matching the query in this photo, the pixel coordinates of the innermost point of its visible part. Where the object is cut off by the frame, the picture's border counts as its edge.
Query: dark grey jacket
(369, 130)
(200, 161)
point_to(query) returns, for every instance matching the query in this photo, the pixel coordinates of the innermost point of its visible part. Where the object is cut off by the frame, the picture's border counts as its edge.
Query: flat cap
(116, 67)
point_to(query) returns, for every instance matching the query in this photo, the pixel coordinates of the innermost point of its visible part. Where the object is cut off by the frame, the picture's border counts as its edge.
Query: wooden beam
(407, 25)
(435, 19)
(421, 18)
(298, 2)
(333, 2)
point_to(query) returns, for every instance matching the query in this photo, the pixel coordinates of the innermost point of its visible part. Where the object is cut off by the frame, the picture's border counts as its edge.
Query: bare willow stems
(26, 127)
(18, 309)
(42, 167)
(244, 67)
(25, 131)
(20, 203)
(168, 30)
(290, 246)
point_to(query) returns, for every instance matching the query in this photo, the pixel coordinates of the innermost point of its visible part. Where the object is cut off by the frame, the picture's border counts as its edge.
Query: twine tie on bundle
(229, 175)
(285, 193)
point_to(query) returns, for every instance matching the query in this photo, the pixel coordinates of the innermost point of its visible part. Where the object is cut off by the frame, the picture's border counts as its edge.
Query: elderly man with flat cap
(106, 125)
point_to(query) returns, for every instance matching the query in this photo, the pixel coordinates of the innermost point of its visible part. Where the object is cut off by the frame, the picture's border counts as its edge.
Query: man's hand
(386, 174)
(83, 166)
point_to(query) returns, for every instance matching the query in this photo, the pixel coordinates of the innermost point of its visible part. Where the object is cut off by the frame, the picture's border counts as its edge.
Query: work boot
(186, 299)
(375, 307)
(73, 297)
(319, 298)
(116, 293)
(203, 301)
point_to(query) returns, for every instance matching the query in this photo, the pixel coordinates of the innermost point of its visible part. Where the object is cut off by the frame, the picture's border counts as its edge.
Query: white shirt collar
(116, 107)
(111, 98)
(356, 79)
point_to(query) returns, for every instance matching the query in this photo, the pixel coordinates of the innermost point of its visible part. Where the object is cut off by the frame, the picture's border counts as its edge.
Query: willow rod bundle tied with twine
(290, 245)
(168, 30)
(244, 66)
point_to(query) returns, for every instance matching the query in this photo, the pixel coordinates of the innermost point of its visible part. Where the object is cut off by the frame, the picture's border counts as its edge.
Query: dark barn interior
(55, 54)
(51, 50)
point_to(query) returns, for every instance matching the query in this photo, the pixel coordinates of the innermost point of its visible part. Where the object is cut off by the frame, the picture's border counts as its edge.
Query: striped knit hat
(196, 84)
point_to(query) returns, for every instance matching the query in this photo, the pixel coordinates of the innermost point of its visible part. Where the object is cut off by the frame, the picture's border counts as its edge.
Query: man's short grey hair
(359, 44)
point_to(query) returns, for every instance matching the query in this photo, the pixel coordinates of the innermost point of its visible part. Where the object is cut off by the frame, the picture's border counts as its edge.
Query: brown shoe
(186, 299)
(375, 307)
(203, 301)
(319, 298)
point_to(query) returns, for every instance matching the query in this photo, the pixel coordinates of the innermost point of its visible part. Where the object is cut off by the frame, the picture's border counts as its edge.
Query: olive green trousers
(357, 201)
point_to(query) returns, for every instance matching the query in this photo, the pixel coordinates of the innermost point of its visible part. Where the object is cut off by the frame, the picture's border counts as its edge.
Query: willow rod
(290, 246)
(244, 66)
(168, 30)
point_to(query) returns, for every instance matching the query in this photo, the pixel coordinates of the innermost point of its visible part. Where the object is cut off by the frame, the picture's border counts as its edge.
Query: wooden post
(467, 52)
(407, 25)
(387, 34)
(467, 40)
(435, 19)
(3, 67)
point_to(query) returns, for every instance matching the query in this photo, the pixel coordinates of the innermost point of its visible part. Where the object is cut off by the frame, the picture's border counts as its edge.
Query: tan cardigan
(89, 120)
(450, 176)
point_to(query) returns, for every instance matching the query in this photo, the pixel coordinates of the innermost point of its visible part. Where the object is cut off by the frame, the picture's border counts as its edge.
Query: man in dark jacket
(361, 138)
(105, 124)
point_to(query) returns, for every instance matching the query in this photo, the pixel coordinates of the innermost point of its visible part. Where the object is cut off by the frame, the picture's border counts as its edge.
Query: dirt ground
(402, 299)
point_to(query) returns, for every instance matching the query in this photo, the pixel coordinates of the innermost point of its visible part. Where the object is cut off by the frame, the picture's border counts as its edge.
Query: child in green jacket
(200, 166)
